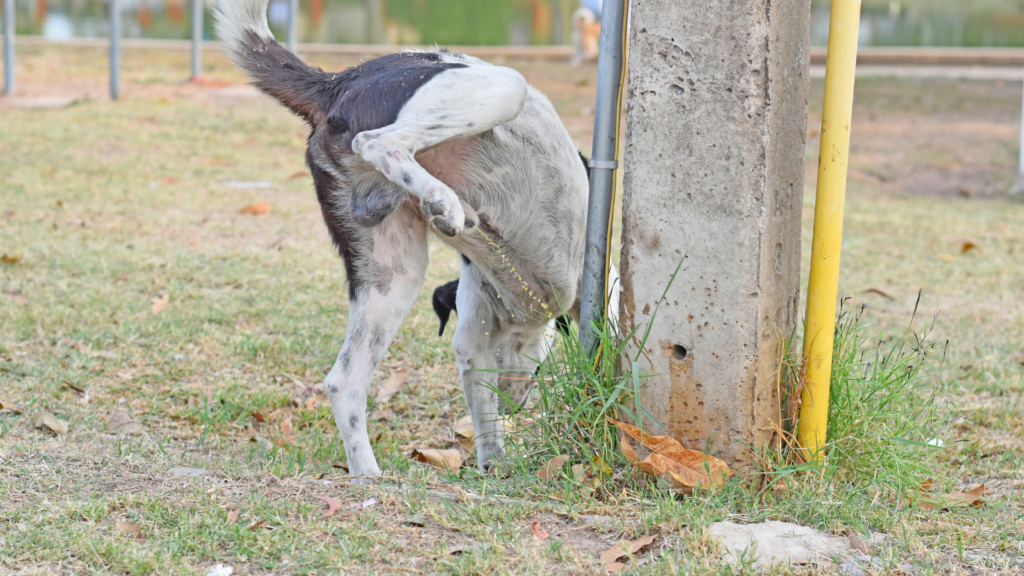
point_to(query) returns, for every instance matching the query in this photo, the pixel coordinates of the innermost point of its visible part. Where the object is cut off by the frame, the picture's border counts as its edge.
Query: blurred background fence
(969, 23)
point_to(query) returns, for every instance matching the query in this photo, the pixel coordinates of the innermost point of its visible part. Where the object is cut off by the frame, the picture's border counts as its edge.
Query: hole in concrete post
(679, 352)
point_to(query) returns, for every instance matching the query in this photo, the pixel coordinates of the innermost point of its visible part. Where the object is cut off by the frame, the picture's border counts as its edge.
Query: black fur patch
(373, 93)
(372, 203)
(586, 164)
(444, 303)
(325, 185)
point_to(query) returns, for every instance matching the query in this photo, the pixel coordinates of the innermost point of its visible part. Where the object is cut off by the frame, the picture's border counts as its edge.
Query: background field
(108, 207)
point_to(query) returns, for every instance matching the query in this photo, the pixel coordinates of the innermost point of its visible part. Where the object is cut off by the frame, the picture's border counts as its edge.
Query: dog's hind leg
(388, 280)
(456, 103)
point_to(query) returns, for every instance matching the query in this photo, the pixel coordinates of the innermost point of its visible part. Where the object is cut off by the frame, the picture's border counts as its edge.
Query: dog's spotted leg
(456, 103)
(387, 288)
(496, 361)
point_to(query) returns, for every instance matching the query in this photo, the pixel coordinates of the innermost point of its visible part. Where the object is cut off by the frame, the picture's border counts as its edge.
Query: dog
(433, 142)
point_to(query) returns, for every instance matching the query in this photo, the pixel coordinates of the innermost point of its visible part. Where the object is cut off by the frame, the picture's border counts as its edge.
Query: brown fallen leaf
(333, 505)
(967, 246)
(445, 459)
(390, 387)
(47, 420)
(232, 516)
(972, 497)
(464, 427)
(297, 175)
(856, 542)
(16, 297)
(257, 525)
(947, 257)
(10, 259)
(688, 468)
(627, 449)
(6, 405)
(878, 292)
(122, 423)
(552, 468)
(130, 528)
(160, 304)
(311, 402)
(611, 555)
(258, 416)
(286, 426)
(538, 532)
(257, 209)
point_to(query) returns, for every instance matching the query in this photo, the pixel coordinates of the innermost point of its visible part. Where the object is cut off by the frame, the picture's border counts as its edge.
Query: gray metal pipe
(9, 46)
(198, 6)
(293, 17)
(602, 170)
(115, 47)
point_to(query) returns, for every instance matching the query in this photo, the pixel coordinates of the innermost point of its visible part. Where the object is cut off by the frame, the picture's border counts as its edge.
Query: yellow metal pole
(822, 290)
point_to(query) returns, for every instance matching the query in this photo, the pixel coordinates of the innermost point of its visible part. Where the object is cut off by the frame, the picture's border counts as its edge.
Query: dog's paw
(444, 210)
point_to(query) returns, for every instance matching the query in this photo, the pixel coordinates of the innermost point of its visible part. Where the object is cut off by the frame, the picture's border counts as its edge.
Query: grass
(108, 206)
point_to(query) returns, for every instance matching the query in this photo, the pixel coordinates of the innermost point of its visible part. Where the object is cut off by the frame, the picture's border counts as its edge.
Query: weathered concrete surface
(714, 170)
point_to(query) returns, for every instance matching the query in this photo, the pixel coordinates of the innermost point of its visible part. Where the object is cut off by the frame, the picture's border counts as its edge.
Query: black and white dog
(418, 142)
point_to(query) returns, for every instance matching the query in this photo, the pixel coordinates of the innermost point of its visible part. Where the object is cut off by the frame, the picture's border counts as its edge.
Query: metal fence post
(9, 46)
(293, 17)
(198, 7)
(115, 47)
(603, 164)
(1017, 188)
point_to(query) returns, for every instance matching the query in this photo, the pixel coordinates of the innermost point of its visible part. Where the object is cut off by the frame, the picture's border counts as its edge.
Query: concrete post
(714, 170)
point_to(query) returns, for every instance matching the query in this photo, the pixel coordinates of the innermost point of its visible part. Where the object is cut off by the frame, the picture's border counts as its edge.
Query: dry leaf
(579, 472)
(364, 504)
(9, 259)
(552, 468)
(130, 528)
(464, 427)
(947, 257)
(286, 426)
(232, 516)
(16, 297)
(958, 499)
(47, 420)
(256, 415)
(333, 505)
(122, 423)
(257, 525)
(611, 555)
(446, 459)
(160, 304)
(391, 386)
(257, 209)
(966, 246)
(856, 542)
(878, 292)
(627, 449)
(311, 402)
(5, 405)
(687, 468)
(538, 532)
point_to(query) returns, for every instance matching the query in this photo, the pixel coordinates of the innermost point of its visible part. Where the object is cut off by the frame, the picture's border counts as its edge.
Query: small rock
(187, 472)
(221, 570)
(773, 543)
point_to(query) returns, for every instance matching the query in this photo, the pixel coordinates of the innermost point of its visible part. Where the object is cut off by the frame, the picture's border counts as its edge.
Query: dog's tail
(242, 27)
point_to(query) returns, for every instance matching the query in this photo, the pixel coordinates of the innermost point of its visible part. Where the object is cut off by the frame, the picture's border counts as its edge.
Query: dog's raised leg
(387, 282)
(456, 103)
